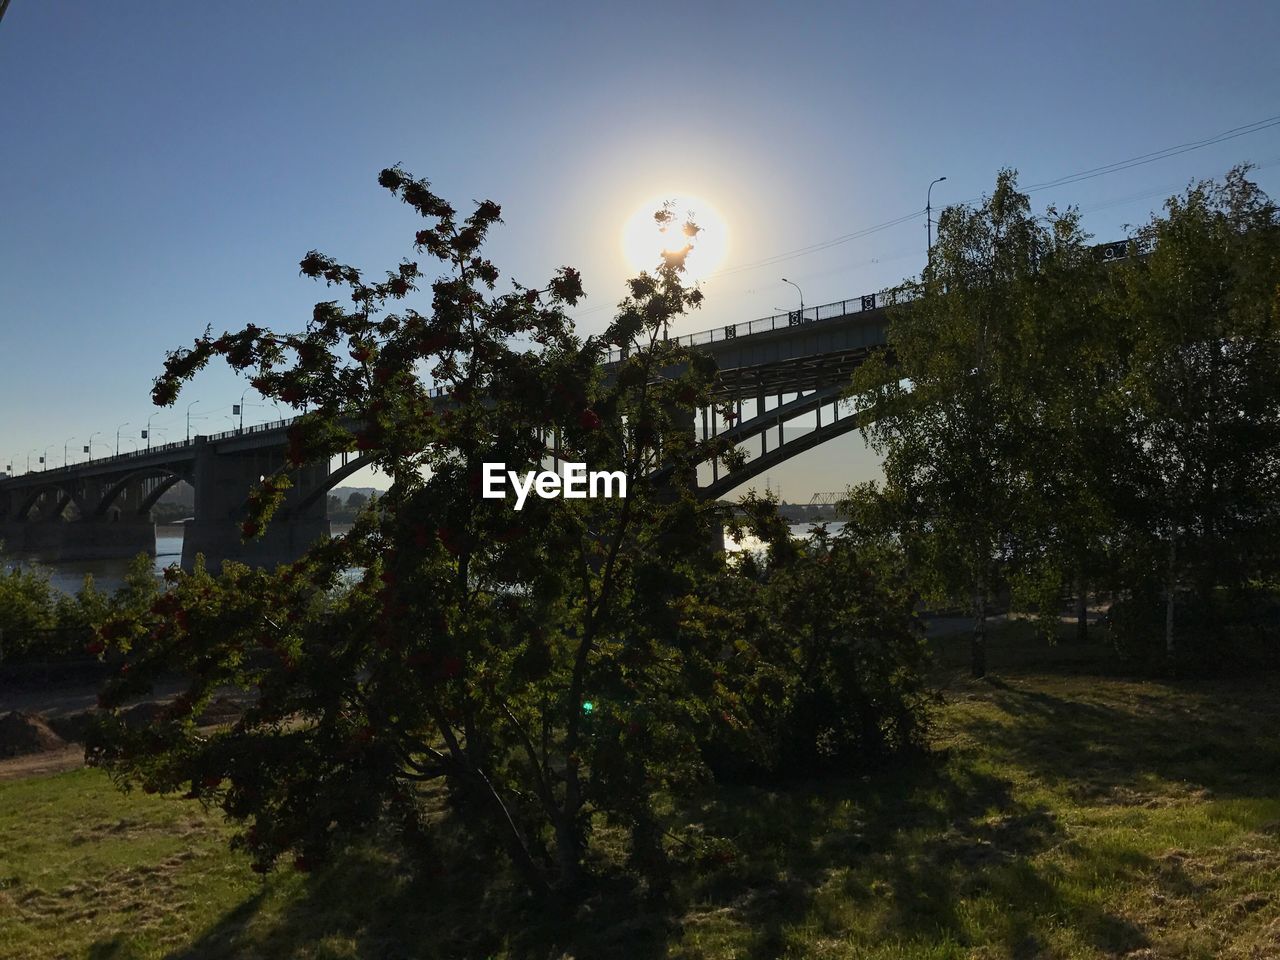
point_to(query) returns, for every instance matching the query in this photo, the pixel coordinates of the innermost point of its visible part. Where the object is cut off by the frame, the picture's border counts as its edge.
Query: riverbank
(109, 575)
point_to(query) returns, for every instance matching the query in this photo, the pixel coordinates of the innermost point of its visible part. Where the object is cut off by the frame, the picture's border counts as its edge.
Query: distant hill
(342, 493)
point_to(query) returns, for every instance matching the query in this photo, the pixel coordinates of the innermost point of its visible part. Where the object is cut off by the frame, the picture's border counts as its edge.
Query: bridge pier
(94, 538)
(13, 536)
(223, 482)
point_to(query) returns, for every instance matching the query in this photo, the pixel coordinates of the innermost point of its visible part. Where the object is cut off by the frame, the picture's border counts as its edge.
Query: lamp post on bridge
(799, 291)
(238, 408)
(146, 434)
(65, 460)
(88, 447)
(928, 218)
(189, 406)
(118, 429)
(44, 458)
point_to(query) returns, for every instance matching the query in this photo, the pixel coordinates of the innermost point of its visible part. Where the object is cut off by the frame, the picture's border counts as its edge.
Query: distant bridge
(828, 499)
(772, 371)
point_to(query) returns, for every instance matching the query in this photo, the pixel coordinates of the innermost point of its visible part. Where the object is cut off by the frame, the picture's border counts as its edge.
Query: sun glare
(645, 242)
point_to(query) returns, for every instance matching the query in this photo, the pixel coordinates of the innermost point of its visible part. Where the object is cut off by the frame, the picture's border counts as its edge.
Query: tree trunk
(512, 836)
(1082, 609)
(568, 851)
(1170, 590)
(978, 642)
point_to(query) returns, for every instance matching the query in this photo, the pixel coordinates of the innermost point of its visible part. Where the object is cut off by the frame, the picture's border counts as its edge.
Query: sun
(644, 241)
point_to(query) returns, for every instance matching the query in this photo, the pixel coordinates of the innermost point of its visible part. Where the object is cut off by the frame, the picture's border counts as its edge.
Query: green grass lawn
(1068, 811)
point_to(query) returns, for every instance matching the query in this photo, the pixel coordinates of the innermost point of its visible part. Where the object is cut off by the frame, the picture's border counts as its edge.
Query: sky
(165, 165)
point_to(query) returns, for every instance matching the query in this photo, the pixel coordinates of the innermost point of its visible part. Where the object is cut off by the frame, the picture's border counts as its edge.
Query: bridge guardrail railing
(1107, 252)
(777, 321)
(129, 455)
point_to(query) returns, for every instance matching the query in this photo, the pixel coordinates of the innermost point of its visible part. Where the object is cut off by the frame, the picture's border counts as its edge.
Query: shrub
(836, 682)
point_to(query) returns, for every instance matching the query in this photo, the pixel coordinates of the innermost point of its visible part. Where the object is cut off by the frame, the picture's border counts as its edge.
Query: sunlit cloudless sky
(166, 164)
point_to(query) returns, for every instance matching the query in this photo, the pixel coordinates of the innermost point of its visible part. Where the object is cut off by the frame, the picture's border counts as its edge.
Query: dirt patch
(42, 764)
(23, 734)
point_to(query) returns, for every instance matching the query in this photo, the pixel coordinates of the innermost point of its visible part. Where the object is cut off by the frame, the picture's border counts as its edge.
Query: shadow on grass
(907, 847)
(113, 948)
(944, 852)
(368, 905)
(1213, 738)
(900, 857)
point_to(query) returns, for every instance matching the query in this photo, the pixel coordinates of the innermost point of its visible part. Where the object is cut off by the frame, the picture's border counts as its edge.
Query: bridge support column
(13, 536)
(223, 482)
(93, 538)
(46, 534)
(106, 538)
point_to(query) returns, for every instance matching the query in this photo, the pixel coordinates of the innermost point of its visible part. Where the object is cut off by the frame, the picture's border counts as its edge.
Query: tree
(947, 402)
(1048, 422)
(1202, 399)
(546, 666)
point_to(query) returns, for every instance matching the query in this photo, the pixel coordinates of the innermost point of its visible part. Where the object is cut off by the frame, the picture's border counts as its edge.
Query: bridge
(772, 371)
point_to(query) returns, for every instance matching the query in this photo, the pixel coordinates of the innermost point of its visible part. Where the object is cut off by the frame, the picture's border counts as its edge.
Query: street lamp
(118, 429)
(799, 291)
(146, 434)
(928, 217)
(29, 453)
(64, 450)
(238, 408)
(189, 406)
(88, 447)
(44, 458)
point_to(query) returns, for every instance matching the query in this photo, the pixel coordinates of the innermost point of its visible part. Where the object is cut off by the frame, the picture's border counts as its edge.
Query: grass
(1068, 812)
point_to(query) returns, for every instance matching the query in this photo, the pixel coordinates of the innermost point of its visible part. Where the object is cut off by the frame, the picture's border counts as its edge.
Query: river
(108, 575)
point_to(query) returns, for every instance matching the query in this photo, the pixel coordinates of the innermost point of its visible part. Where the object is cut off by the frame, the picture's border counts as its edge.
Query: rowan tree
(554, 668)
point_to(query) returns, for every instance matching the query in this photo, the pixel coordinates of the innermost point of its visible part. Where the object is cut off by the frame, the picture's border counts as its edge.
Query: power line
(816, 247)
(1146, 158)
(1082, 175)
(1078, 177)
(1164, 191)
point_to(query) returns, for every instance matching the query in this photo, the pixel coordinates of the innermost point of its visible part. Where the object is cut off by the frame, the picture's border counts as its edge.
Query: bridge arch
(66, 496)
(112, 493)
(765, 422)
(332, 480)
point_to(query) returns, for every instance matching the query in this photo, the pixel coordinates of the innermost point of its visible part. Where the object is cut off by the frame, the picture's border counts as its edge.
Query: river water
(108, 575)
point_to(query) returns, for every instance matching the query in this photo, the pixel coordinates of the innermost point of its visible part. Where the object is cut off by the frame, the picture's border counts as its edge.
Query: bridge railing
(247, 431)
(777, 321)
(1106, 252)
(117, 457)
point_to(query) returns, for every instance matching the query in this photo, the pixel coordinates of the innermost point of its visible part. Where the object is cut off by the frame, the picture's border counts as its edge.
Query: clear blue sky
(166, 164)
